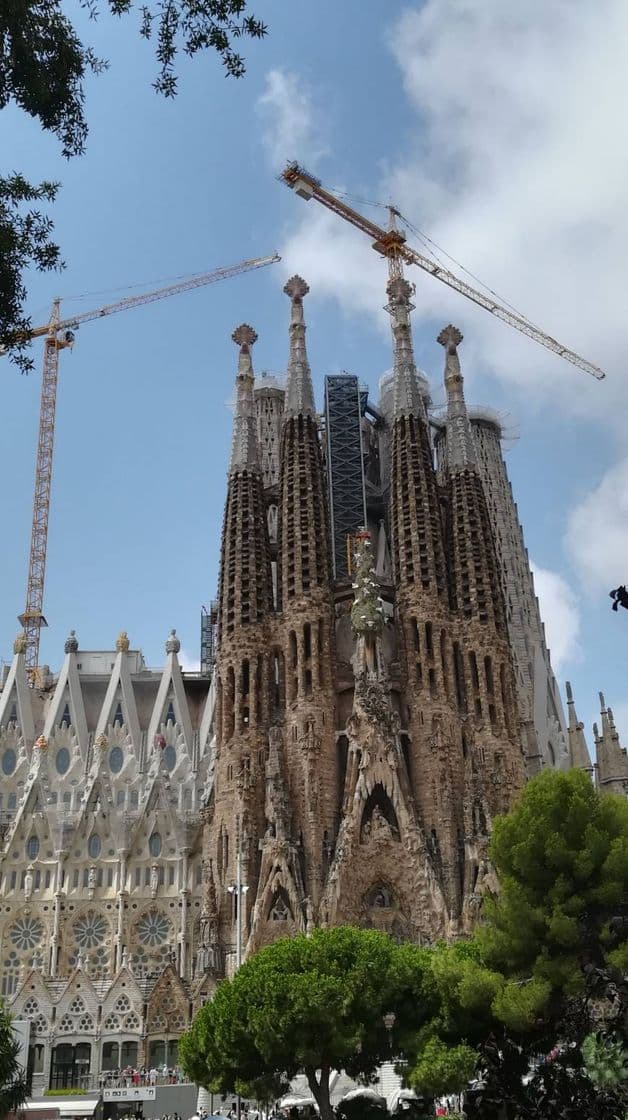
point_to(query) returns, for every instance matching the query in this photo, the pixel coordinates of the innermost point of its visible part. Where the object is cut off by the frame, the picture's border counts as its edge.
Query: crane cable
(432, 248)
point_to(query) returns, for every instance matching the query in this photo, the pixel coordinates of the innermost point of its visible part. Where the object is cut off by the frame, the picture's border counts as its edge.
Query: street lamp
(238, 889)
(389, 1020)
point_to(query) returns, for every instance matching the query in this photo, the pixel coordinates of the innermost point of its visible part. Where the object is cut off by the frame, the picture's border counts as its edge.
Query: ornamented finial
(296, 287)
(41, 743)
(102, 742)
(569, 692)
(244, 336)
(19, 645)
(122, 643)
(460, 446)
(602, 702)
(450, 337)
(173, 645)
(399, 290)
(71, 643)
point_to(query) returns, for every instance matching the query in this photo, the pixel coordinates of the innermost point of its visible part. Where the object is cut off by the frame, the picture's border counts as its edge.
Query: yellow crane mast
(391, 244)
(58, 334)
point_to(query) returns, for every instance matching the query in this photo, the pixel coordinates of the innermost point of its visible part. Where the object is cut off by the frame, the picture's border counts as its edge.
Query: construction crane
(391, 243)
(58, 334)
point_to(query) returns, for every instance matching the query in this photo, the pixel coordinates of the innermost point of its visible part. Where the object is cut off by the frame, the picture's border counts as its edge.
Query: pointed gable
(168, 1005)
(171, 704)
(67, 708)
(16, 698)
(120, 701)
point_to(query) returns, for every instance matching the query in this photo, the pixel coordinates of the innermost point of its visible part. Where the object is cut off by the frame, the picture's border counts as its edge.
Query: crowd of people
(134, 1078)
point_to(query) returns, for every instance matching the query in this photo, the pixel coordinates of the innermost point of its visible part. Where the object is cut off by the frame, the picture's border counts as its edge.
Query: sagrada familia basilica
(379, 689)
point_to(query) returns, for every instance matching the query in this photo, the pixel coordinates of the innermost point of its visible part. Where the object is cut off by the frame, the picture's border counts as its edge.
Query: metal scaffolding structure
(345, 467)
(209, 624)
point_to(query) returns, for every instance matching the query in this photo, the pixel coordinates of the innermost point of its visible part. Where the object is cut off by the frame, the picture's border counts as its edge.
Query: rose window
(39, 1026)
(31, 1008)
(90, 930)
(123, 1004)
(77, 1007)
(132, 1023)
(26, 933)
(153, 929)
(111, 1023)
(66, 1026)
(150, 962)
(86, 1024)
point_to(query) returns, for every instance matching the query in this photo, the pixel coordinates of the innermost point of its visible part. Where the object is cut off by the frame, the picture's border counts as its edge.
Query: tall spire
(407, 398)
(579, 758)
(299, 399)
(460, 449)
(474, 575)
(244, 448)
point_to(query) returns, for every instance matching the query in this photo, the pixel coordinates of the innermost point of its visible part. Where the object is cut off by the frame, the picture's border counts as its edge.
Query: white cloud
(291, 121)
(518, 169)
(189, 662)
(559, 611)
(597, 532)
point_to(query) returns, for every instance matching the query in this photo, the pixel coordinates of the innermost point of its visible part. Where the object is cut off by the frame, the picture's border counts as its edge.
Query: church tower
(368, 730)
(244, 694)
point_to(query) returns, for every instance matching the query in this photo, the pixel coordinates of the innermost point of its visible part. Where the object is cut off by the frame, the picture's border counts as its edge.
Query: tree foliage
(43, 67)
(13, 1090)
(309, 1005)
(542, 971)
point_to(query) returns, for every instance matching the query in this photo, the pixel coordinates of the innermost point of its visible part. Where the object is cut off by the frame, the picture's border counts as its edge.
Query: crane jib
(307, 186)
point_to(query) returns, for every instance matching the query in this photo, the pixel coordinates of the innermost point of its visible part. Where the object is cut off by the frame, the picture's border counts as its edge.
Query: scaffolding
(345, 467)
(209, 626)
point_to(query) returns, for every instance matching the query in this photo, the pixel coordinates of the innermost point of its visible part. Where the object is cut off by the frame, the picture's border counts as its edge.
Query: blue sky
(495, 131)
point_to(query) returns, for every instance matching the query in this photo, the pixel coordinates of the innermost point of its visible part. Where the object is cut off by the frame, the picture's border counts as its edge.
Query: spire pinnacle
(407, 398)
(460, 449)
(612, 763)
(244, 449)
(299, 400)
(579, 757)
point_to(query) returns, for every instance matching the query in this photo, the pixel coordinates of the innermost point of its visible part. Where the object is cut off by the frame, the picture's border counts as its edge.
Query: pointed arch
(379, 819)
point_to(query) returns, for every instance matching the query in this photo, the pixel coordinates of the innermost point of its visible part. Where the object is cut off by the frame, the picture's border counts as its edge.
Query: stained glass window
(153, 928)
(62, 761)
(90, 930)
(116, 759)
(9, 761)
(26, 933)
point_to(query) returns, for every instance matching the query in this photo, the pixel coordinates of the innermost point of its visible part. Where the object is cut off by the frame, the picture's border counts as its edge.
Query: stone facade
(386, 733)
(105, 770)
(344, 762)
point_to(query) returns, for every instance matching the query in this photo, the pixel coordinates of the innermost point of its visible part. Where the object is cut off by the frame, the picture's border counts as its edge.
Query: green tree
(43, 66)
(546, 966)
(309, 1005)
(13, 1090)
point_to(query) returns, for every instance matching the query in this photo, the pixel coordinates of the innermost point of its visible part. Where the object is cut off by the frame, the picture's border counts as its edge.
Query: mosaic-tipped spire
(407, 395)
(244, 447)
(299, 400)
(173, 645)
(71, 643)
(460, 449)
(579, 757)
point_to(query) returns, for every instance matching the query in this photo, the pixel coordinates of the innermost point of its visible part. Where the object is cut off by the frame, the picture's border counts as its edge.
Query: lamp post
(389, 1020)
(238, 889)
